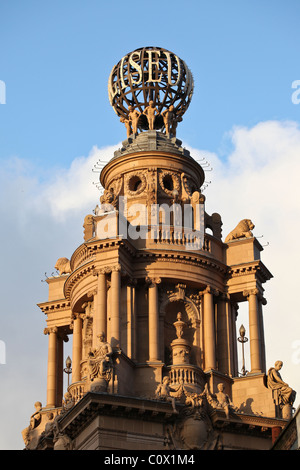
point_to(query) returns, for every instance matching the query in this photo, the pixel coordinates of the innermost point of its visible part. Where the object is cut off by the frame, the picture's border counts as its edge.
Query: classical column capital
(77, 316)
(153, 280)
(224, 296)
(102, 270)
(248, 292)
(52, 329)
(210, 290)
(132, 282)
(117, 268)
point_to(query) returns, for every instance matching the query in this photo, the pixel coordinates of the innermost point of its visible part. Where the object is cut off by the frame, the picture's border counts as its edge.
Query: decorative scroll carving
(176, 293)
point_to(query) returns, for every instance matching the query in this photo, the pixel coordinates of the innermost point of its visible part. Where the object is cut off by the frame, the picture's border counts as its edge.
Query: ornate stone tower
(150, 297)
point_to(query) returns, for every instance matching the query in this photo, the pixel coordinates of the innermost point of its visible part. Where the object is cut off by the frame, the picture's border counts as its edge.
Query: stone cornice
(252, 267)
(89, 267)
(184, 258)
(246, 422)
(54, 305)
(81, 272)
(94, 404)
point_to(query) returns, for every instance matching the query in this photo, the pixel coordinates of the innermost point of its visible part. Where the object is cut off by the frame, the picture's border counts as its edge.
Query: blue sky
(57, 122)
(56, 58)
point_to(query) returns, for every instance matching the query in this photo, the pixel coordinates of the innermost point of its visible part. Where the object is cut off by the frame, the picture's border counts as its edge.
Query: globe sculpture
(150, 88)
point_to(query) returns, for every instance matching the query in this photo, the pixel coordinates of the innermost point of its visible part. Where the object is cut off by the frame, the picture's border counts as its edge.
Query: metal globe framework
(150, 74)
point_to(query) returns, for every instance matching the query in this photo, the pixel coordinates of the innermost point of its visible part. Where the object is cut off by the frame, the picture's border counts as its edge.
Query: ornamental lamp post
(68, 368)
(243, 339)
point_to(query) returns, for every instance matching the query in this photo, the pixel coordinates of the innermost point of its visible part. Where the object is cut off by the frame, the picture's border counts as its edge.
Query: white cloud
(259, 180)
(75, 188)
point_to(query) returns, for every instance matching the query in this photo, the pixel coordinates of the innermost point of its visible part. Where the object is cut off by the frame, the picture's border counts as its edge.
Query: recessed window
(168, 182)
(135, 183)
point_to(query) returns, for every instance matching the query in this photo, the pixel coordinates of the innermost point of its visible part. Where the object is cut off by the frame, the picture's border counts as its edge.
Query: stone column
(134, 323)
(223, 335)
(77, 347)
(61, 337)
(254, 330)
(209, 329)
(262, 301)
(131, 320)
(234, 313)
(100, 306)
(115, 306)
(153, 310)
(52, 367)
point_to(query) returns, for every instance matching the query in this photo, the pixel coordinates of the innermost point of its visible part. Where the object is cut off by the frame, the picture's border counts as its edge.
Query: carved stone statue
(108, 200)
(63, 266)
(174, 125)
(168, 117)
(62, 442)
(282, 392)
(223, 399)
(127, 125)
(151, 111)
(68, 402)
(219, 399)
(163, 392)
(100, 363)
(35, 420)
(242, 230)
(88, 226)
(134, 119)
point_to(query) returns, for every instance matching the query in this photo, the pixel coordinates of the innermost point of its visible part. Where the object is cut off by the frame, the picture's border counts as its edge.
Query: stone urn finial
(180, 347)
